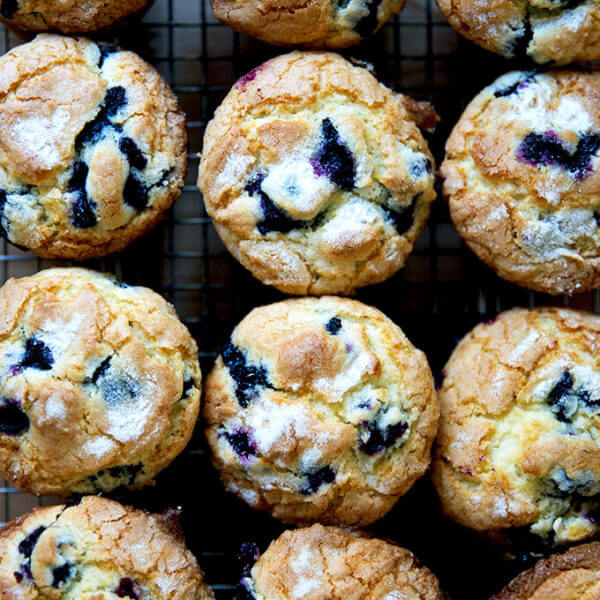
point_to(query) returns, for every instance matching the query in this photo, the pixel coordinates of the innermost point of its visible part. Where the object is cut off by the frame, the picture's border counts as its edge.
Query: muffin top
(523, 179)
(92, 147)
(99, 385)
(316, 175)
(314, 23)
(68, 16)
(97, 550)
(327, 563)
(574, 575)
(320, 410)
(546, 30)
(518, 451)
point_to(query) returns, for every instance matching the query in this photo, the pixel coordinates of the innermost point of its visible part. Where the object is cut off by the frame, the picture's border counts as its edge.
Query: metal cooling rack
(441, 294)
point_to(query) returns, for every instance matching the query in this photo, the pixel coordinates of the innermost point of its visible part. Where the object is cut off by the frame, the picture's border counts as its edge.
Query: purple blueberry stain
(241, 443)
(248, 77)
(25, 548)
(334, 325)
(315, 480)
(247, 378)
(334, 159)
(547, 149)
(13, 420)
(127, 588)
(60, 575)
(521, 83)
(403, 217)
(37, 355)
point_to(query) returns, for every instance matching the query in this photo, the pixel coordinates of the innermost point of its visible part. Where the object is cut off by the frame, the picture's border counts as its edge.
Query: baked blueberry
(341, 421)
(37, 355)
(334, 159)
(13, 420)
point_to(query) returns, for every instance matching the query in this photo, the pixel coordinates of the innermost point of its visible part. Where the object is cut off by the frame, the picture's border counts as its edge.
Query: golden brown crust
(517, 444)
(107, 377)
(319, 563)
(527, 215)
(548, 34)
(320, 410)
(574, 575)
(311, 23)
(101, 550)
(72, 16)
(331, 149)
(93, 147)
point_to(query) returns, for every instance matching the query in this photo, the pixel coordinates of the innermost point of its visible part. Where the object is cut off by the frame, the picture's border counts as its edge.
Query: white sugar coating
(58, 335)
(235, 169)
(349, 219)
(531, 106)
(294, 186)
(55, 408)
(305, 568)
(38, 136)
(500, 213)
(554, 236)
(525, 345)
(99, 446)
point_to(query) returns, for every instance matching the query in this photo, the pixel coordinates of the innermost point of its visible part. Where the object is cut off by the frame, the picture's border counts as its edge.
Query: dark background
(440, 295)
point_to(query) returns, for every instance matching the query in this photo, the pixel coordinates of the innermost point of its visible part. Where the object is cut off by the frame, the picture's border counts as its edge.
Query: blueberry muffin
(324, 563)
(92, 147)
(313, 23)
(574, 575)
(99, 383)
(522, 175)
(316, 175)
(68, 16)
(557, 31)
(518, 452)
(320, 410)
(98, 550)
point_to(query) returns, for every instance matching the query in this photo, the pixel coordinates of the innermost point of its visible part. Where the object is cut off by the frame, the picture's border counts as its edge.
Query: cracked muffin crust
(99, 383)
(98, 550)
(517, 453)
(68, 16)
(574, 575)
(316, 176)
(311, 23)
(92, 147)
(557, 31)
(522, 176)
(327, 563)
(320, 410)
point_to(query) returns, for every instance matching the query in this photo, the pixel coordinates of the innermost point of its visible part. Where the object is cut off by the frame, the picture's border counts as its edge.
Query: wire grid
(441, 294)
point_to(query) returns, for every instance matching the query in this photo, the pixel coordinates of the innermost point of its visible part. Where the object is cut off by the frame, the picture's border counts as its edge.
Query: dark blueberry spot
(164, 178)
(13, 421)
(419, 167)
(134, 155)
(119, 389)
(565, 401)
(105, 51)
(127, 589)
(516, 86)
(83, 209)
(248, 555)
(402, 218)
(101, 369)
(122, 474)
(317, 479)
(188, 384)
(60, 575)
(560, 485)
(334, 159)
(247, 377)
(135, 193)
(373, 438)
(3, 232)
(274, 218)
(240, 442)
(8, 8)
(114, 100)
(26, 549)
(367, 24)
(520, 43)
(37, 355)
(547, 149)
(18, 576)
(334, 325)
